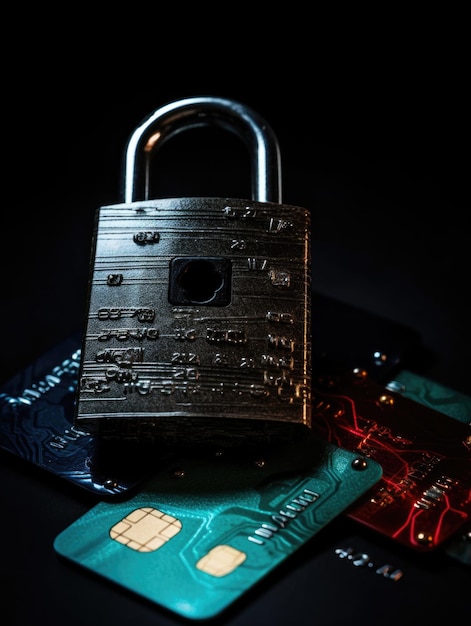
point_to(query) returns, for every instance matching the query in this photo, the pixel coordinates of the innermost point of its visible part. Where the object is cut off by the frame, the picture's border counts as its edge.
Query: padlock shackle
(180, 115)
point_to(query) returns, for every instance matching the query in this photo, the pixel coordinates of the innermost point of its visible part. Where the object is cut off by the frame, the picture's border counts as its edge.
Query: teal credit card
(449, 402)
(432, 394)
(208, 527)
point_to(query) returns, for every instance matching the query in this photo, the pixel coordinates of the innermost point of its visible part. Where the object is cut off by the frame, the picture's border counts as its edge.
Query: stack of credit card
(194, 529)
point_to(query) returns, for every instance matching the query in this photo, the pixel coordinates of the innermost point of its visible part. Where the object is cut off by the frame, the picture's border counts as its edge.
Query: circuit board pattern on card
(423, 497)
(36, 424)
(208, 527)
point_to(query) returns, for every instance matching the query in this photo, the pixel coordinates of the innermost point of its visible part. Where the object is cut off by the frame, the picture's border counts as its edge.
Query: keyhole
(200, 280)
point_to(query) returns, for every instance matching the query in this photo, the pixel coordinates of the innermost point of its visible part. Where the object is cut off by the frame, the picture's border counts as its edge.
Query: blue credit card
(36, 423)
(208, 527)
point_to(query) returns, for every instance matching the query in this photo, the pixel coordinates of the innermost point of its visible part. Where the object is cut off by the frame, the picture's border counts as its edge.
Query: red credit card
(424, 496)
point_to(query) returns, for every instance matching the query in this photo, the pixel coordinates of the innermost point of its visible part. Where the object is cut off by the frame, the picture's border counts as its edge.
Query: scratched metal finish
(199, 314)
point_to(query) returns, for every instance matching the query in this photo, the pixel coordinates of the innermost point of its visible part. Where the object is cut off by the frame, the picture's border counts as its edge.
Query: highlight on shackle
(175, 117)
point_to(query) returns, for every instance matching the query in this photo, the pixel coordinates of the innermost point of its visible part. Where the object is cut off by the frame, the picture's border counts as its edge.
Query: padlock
(199, 308)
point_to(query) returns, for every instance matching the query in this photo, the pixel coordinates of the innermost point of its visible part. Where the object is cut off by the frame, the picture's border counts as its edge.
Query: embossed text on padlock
(198, 325)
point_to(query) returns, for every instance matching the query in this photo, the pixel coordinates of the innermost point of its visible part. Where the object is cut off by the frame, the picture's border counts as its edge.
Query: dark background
(372, 124)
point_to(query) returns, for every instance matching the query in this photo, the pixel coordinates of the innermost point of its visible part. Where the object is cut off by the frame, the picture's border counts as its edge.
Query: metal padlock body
(199, 308)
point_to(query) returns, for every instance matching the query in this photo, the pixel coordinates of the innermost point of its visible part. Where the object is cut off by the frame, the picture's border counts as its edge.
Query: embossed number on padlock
(198, 326)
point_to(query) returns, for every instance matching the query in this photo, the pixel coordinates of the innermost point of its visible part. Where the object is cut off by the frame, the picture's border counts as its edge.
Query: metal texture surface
(198, 367)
